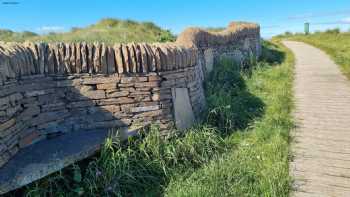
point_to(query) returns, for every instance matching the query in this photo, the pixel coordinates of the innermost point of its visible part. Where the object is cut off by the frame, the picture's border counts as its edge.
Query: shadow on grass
(271, 53)
(231, 105)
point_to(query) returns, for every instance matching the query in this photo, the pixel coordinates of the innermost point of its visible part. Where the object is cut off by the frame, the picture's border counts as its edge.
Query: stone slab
(48, 156)
(184, 117)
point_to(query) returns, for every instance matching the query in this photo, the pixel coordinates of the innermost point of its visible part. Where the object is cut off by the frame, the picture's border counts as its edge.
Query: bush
(108, 22)
(333, 31)
(166, 36)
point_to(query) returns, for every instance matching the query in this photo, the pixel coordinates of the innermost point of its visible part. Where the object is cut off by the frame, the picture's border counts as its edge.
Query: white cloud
(319, 15)
(47, 29)
(346, 20)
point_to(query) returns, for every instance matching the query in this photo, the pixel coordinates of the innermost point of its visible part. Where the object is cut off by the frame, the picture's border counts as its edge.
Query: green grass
(107, 30)
(256, 162)
(241, 148)
(333, 42)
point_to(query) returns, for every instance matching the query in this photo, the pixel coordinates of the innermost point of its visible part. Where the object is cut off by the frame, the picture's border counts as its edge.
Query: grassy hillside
(241, 149)
(106, 30)
(333, 42)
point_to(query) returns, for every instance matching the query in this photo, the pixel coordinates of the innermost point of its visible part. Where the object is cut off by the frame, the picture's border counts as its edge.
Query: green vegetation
(214, 29)
(9, 36)
(241, 148)
(256, 160)
(333, 42)
(107, 30)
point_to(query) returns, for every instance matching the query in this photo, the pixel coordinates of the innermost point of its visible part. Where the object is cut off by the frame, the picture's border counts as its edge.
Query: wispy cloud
(270, 26)
(346, 20)
(319, 14)
(48, 29)
(343, 21)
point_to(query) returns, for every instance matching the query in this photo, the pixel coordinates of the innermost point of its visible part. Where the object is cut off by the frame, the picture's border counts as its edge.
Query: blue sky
(274, 16)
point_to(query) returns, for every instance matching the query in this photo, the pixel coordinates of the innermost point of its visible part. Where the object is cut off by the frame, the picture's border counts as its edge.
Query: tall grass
(240, 150)
(333, 42)
(256, 164)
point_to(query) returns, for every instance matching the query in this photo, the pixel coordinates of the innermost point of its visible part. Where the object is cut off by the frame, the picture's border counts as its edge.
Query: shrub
(333, 31)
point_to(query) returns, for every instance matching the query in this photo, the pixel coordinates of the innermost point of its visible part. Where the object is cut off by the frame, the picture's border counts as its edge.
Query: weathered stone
(126, 58)
(72, 58)
(79, 104)
(94, 94)
(106, 124)
(90, 49)
(138, 58)
(13, 110)
(100, 80)
(156, 52)
(4, 100)
(145, 108)
(117, 94)
(151, 58)
(133, 58)
(105, 86)
(174, 54)
(164, 55)
(108, 108)
(7, 124)
(97, 58)
(132, 79)
(184, 116)
(104, 53)
(67, 83)
(27, 64)
(143, 89)
(67, 58)
(80, 58)
(51, 60)
(112, 101)
(42, 52)
(144, 59)
(49, 116)
(60, 57)
(147, 84)
(111, 66)
(140, 93)
(84, 58)
(155, 97)
(35, 53)
(154, 78)
(47, 157)
(37, 93)
(119, 58)
(148, 114)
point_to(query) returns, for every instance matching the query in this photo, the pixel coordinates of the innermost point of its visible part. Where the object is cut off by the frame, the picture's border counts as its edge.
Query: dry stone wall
(240, 41)
(47, 90)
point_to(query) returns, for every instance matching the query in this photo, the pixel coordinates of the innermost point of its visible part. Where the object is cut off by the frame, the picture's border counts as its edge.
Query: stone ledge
(43, 158)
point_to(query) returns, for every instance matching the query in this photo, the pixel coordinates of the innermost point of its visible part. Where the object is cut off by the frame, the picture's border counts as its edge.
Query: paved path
(321, 147)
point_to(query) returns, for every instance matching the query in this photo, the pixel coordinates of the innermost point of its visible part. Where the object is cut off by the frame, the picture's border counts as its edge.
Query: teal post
(307, 28)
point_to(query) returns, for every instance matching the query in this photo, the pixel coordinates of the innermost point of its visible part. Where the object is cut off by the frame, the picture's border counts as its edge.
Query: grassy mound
(107, 30)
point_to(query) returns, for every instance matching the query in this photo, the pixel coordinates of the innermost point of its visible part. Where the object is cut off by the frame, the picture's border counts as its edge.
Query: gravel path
(321, 147)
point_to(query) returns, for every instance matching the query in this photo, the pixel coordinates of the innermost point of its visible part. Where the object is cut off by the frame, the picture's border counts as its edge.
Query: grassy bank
(241, 149)
(256, 162)
(106, 30)
(333, 42)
